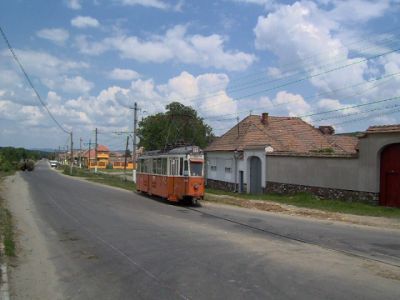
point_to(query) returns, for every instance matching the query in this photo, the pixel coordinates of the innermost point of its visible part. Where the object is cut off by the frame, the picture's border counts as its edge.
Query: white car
(53, 163)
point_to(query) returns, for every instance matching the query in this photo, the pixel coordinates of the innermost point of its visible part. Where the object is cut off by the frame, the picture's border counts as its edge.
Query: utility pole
(95, 151)
(135, 109)
(90, 149)
(80, 152)
(126, 156)
(72, 155)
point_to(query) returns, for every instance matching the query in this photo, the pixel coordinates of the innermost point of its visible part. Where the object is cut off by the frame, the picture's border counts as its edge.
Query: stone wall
(221, 185)
(327, 193)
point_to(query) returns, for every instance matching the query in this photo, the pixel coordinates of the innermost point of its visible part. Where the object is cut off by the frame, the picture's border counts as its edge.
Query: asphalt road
(114, 244)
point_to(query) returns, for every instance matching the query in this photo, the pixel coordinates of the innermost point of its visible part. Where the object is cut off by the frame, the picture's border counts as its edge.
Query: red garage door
(390, 176)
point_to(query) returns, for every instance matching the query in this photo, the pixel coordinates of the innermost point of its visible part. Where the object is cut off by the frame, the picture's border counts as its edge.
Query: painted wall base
(327, 193)
(222, 185)
(289, 189)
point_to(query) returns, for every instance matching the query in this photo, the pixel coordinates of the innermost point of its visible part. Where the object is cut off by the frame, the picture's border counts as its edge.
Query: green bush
(6, 166)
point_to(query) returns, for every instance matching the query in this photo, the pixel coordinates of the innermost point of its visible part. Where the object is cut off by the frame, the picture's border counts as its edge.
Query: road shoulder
(270, 207)
(32, 275)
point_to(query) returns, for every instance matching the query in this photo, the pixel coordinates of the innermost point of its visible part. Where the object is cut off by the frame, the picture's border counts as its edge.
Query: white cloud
(123, 74)
(306, 40)
(43, 64)
(89, 47)
(84, 22)
(42, 68)
(76, 84)
(294, 104)
(268, 4)
(57, 35)
(27, 115)
(74, 4)
(144, 51)
(147, 3)
(355, 11)
(176, 45)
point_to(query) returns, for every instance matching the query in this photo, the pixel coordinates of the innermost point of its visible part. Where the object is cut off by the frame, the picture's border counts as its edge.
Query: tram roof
(175, 151)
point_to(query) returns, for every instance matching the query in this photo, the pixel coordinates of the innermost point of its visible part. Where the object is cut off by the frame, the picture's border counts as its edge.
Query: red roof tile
(384, 128)
(100, 148)
(284, 134)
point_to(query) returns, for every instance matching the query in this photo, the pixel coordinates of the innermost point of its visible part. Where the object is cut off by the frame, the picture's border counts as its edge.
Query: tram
(175, 175)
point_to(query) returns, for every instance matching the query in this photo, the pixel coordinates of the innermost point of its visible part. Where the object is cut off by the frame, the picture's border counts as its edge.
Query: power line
(386, 79)
(369, 116)
(299, 61)
(30, 82)
(284, 76)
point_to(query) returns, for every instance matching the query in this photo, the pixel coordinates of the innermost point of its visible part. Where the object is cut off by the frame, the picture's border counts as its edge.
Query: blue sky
(91, 60)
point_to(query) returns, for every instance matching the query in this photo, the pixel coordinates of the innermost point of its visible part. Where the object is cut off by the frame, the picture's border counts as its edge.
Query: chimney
(328, 130)
(264, 118)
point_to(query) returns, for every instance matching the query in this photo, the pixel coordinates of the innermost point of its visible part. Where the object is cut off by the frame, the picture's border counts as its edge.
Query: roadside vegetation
(10, 158)
(304, 200)
(100, 177)
(6, 226)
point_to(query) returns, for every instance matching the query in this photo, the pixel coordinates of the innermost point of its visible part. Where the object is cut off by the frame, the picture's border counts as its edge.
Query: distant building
(287, 155)
(117, 159)
(103, 157)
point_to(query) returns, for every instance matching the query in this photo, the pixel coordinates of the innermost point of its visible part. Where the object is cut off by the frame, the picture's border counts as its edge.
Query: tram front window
(196, 168)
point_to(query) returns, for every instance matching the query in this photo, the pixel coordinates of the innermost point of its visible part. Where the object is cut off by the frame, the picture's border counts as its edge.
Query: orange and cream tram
(175, 175)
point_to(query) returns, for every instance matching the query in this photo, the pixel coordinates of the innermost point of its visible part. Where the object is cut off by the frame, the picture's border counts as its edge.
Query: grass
(6, 225)
(309, 201)
(116, 171)
(107, 179)
(8, 173)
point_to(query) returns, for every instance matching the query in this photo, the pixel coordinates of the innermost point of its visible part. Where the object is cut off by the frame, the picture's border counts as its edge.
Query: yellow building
(103, 157)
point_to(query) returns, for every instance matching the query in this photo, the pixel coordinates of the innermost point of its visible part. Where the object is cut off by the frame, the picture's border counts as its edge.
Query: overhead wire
(301, 61)
(43, 104)
(311, 76)
(286, 75)
(386, 79)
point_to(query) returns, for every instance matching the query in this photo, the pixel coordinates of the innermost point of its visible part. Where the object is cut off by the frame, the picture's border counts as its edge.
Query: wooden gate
(255, 175)
(390, 176)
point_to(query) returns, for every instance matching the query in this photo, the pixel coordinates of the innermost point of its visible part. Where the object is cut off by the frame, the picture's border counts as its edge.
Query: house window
(213, 164)
(228, 169)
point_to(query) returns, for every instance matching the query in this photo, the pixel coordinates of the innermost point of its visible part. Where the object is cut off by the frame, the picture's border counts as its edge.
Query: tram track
(296, 239)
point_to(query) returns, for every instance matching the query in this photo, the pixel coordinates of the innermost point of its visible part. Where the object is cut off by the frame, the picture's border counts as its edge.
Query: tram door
(186, 175)
(173, 167)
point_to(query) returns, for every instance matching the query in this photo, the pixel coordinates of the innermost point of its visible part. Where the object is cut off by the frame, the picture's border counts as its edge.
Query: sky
(331, 62)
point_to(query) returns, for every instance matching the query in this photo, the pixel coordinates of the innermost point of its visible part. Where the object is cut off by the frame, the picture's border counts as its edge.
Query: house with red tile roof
(103, 156)
(287, 155)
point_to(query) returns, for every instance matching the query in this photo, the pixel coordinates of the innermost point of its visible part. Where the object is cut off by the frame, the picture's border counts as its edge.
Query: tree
(179, 124)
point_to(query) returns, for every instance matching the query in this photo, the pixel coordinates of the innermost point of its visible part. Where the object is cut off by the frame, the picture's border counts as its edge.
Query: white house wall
(261, 155)
(222, 160)
(337, 173)
(358, 174)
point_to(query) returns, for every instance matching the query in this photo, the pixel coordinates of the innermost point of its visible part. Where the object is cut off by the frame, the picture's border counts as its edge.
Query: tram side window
(186, 168)
(164, 166)
(154, 166)
(173, 166)
(139, 166)
(159, 170)
(147, 166)
(181, 167)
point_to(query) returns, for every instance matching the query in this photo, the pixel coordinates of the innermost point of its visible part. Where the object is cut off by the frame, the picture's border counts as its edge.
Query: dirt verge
(269, 206)
(31, 274)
